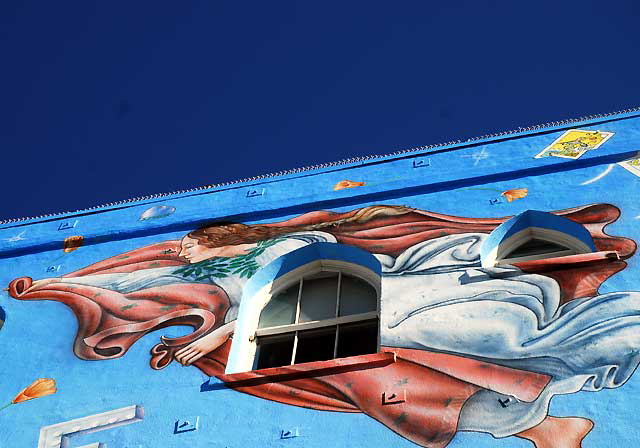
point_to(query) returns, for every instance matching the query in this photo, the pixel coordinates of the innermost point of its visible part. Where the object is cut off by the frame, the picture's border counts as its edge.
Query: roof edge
(361, 160)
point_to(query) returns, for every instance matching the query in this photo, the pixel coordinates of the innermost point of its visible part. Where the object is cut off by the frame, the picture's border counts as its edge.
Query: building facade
(481, 293)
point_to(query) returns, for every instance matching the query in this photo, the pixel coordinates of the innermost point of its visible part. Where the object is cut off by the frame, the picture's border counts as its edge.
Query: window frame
(242, 355)
(336, 321)
(535, 224)
(573, 247)
(306, 260)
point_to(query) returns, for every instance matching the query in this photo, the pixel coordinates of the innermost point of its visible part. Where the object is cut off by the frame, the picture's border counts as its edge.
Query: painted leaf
(516, 193)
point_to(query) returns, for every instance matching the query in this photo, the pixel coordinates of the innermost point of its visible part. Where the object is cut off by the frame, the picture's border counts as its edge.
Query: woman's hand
(208, 343)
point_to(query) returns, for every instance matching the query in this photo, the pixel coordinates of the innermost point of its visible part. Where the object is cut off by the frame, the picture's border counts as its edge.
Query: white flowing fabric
(435, 296)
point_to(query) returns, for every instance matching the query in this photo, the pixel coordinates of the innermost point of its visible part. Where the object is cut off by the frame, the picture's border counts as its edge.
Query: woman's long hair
(231, 234)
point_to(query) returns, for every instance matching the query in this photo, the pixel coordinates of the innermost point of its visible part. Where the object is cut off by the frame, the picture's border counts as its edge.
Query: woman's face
(194, 252)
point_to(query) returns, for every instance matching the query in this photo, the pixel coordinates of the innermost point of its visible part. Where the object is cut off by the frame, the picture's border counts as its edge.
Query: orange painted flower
(72, 243)
(347, 184)
(39, 388)
(516, 193)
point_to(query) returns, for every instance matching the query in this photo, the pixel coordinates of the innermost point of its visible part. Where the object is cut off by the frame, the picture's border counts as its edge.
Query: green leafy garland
(218, 267)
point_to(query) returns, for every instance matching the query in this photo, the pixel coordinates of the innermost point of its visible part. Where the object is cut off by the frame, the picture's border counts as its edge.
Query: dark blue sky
(102, 101)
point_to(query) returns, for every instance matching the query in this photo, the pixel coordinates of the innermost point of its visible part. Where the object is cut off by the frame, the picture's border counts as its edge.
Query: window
(317, 302)
(326, 315)
(535, 235)
(536, 249)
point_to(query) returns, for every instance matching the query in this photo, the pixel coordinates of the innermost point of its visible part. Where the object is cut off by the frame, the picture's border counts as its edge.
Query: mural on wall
(477, 349)
(574, 143)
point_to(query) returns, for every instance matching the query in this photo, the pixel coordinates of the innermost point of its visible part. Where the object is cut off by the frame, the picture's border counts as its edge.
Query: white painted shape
(57, 435)
(599, 176)
(478, 156)
(15, 238)
(490, 259)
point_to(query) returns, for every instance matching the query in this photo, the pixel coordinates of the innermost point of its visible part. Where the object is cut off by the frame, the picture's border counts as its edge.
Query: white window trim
(244, 346)
(290, 328)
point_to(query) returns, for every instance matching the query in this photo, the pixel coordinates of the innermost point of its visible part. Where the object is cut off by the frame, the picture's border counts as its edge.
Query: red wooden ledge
(307, 370)
(569, 261)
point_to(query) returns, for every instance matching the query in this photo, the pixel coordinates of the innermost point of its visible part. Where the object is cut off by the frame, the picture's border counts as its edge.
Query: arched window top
(319, 296)
(306, 298)
(534, 235)
(320, 316)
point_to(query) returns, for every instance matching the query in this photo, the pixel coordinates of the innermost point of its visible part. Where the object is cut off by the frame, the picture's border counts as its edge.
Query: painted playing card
(574, 143)
(631, 165)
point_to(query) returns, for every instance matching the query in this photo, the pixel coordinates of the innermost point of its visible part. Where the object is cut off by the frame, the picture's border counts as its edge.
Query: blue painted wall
(466, 180)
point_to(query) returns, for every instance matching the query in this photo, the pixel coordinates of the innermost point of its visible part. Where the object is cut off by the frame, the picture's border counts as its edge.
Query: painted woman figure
(483, 356)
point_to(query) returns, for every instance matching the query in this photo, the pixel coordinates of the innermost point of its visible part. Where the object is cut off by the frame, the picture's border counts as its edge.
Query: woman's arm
(38, 284)
(207, 343)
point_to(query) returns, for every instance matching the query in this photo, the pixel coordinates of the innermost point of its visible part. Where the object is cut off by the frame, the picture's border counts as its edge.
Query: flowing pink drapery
(437, 385)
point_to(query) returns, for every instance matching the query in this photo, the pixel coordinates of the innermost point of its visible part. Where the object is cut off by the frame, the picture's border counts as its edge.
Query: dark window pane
(281, 309)
(315, 345)
(356, 296)
(275, 351)
(359, 338)
(536, 247)
(319, 297)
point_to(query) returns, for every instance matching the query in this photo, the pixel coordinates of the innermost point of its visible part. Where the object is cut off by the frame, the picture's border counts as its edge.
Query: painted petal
(39, 388)
(347, 184)
(516, 193)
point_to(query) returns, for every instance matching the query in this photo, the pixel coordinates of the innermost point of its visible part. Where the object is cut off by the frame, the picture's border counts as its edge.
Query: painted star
(478, 156)
(18, 237)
